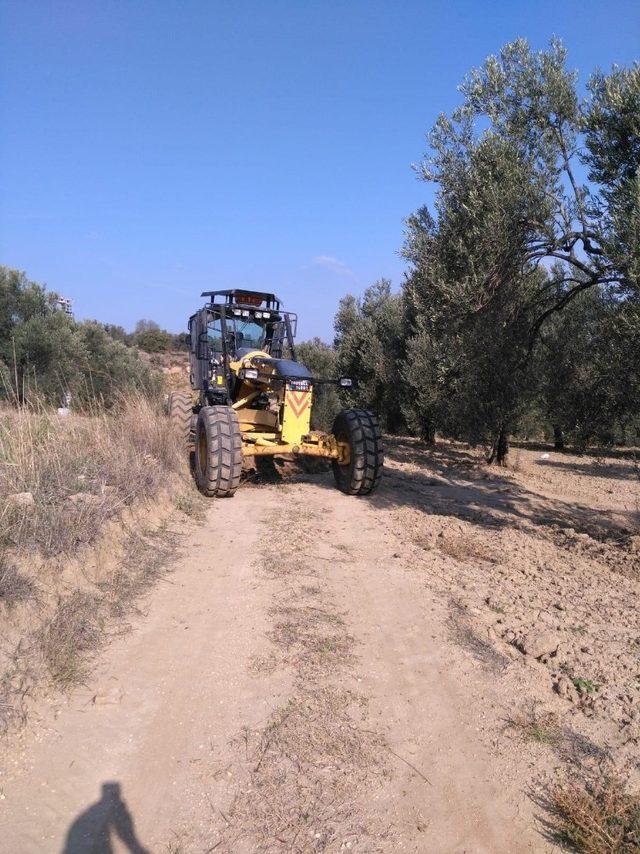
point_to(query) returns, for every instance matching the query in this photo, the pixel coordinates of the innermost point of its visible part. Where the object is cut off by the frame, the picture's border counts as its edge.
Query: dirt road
(296, 683)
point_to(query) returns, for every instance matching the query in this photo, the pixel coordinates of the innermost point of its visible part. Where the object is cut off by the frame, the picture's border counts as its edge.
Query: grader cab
(250, 398)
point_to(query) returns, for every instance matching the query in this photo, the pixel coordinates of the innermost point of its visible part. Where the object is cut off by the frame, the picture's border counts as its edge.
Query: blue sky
(151, 150)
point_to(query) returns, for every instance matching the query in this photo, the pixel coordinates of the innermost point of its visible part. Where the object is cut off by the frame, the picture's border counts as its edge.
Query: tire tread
(223, 469)
(180, 406)
(363, 473)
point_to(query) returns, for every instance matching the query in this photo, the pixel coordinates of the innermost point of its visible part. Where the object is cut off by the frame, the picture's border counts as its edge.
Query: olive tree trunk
(558, 438)
(500, 448)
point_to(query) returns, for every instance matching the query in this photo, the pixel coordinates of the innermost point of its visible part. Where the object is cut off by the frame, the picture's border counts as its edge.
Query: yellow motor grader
(252, 398)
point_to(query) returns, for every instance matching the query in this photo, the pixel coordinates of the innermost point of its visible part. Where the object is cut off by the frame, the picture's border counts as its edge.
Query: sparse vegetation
(302, 769)
(66, 483)
(464, 548)
(541, 727)
(15, 587)
(66, 639)
(585, 686)
(598, 817)
(191, 503)
(77, 472)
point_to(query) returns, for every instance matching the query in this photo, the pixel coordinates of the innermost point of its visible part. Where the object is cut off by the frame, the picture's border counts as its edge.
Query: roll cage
(217, 335)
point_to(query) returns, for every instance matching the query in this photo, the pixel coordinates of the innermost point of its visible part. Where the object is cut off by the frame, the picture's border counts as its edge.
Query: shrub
(597, 818)
(44, 352)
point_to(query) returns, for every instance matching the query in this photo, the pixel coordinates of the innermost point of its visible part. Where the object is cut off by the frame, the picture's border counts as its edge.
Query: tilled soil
(408, 672)
(542, 564)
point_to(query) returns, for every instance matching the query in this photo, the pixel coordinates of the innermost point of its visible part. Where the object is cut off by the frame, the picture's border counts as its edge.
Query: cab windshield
(248, 332)
(242, 332)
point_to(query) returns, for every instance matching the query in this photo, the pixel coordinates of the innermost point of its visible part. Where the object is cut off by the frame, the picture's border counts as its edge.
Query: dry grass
(597, 818)
(464, 548)
(303, 769)
(79, 471)
(191, 503)
(541, 727)
(65, 640)
(15, 587)
(144, 558)
(58, 640)
(312, 639)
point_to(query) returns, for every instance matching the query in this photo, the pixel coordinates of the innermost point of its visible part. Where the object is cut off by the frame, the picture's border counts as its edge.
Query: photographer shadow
(93, 829)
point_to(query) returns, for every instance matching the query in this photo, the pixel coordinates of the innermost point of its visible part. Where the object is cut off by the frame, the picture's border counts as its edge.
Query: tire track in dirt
(375, 748)
(305, 769)
(291, 687)
(154, 718)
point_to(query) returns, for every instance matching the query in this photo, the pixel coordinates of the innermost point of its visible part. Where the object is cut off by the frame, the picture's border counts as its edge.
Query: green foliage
(151, 338)
(20, 301)
(613, 153)
(521, 305)
(468, 297)
(148, 336)
(322, 361)
(516, 239)
(369, 342)
(585, 685)
(44, 351)
(588, 363)
(118, 333)
(180, 341)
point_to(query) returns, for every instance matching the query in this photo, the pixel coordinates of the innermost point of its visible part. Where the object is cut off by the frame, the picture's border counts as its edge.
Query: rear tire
(360, 430)
(218, 456)
(180, 414)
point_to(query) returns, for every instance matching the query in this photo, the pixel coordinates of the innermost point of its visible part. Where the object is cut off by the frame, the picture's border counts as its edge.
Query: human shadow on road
(92, 831)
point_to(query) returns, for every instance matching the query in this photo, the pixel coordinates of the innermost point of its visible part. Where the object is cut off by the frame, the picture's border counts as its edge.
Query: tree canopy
(44, 352)
(521, 302)
(516, 236)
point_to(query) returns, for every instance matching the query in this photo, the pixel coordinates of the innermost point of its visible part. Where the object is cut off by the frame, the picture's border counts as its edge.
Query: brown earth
(174, 367)
(408, 672)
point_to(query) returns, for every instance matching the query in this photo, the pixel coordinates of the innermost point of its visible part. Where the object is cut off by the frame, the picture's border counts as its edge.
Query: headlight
(250, 374)
(345, 382)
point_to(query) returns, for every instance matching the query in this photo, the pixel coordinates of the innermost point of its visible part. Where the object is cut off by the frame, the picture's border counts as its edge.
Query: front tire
(218, 456)
(360, 430)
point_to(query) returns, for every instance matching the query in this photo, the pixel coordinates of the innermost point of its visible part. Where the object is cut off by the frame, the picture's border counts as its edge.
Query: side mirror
(187, 339)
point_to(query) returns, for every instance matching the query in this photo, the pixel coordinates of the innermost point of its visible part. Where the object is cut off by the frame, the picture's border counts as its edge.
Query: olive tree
(515, 236)
(321, 359)
(369, 340)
